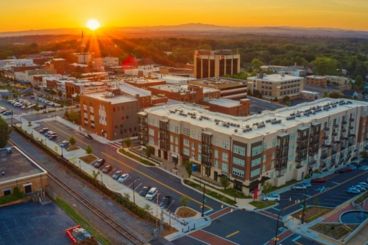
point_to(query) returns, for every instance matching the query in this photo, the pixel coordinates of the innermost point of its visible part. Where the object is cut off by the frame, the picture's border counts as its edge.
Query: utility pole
(203, 198)
(303, 211)
(277, 229)
(134, 189)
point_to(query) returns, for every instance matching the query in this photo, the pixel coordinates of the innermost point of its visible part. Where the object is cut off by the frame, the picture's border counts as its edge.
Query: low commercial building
(238, 108)
(276, 86)
(275, 146)
(110, 114)
(78, 87)
(17, 170)
(297, 71)
(185, 93)
(215, 63)
(229, 88)
(329, 81)
(143, 82)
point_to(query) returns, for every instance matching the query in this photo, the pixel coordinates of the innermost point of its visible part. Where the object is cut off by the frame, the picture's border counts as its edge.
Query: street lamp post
(304, 204)
(134, 189)
(277, 229)
(203, 198)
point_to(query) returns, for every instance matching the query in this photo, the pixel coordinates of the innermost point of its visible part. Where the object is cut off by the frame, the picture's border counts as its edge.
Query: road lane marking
(232, 234)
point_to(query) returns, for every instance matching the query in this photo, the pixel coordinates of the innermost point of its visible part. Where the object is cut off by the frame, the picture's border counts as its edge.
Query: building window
(186, 152)
(255, 172)
(216, 153)
(256, 162)
(186, 142)
(238, 172)
(257, 150)
(186, 131)
(7, 192)
(225, 156)
(224, 168)
(240, 150)
(238, 161)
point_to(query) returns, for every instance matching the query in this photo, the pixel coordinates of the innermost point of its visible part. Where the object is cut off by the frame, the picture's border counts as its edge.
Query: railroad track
(105, 218)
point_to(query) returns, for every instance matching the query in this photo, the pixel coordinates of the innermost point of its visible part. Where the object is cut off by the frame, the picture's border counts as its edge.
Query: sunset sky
(47, 14)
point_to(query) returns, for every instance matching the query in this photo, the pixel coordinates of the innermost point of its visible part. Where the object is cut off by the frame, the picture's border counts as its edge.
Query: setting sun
(93, 24)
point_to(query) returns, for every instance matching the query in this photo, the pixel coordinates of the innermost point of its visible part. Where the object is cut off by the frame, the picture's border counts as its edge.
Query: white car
(151, 193)
(271, 197)
(123, 178)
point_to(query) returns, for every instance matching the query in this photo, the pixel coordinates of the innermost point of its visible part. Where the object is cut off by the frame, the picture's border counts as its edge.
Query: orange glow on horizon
(49, 14)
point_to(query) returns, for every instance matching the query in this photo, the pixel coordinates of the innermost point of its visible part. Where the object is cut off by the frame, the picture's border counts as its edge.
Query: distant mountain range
(196, 29)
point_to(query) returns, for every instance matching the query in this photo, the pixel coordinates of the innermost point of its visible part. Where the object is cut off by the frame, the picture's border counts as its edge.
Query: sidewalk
(361, 238)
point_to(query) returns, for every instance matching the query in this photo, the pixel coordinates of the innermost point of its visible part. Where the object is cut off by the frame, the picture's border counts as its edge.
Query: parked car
(151, 193)
(44, 130)
(343, 170)
(107, 169)
(307, 184)
(299, 187)
(143, 192)
(319, 180)
(64, 144)
(165, 202)
(123, 178)
(117, 174)
(99, 163)
(271, 197)
(321, 188)
(52, 136)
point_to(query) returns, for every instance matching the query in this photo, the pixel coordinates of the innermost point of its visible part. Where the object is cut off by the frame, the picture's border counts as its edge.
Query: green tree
(89, 150)
(184, 201)
(188, 167)
(325, 66)
(256, 64)
(224, 180)
(149, 151)
(335, 95)
(72, 140)
(364, 155)
(4, 133)
(127, 142)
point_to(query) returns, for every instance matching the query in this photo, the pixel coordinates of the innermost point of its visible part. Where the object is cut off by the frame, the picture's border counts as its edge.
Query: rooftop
(224, 102)
(256, 125)
(177, 88)
(110, 97)
(17, 165)
(133, 90)
(275, 78)
(219, 83)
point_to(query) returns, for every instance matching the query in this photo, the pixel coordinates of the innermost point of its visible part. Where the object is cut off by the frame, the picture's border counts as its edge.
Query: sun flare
(93, 24)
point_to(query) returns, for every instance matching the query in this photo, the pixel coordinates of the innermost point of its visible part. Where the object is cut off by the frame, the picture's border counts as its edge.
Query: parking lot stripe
(155, 180)
(232, 234)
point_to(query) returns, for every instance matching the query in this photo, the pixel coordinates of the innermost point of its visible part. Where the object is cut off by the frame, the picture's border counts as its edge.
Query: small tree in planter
(89, 150)
(149, 151)
(72, 141)
(224, 181)
(184, 201)
(188, 167)
(127, 143)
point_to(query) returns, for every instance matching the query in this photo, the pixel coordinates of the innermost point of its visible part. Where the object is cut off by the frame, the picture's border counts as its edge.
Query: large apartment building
(275, 147)
(276, 86)
(215, 63)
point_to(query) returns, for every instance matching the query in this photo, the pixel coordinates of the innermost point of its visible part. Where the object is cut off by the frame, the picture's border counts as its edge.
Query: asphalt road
(334, 195)
(144, 176)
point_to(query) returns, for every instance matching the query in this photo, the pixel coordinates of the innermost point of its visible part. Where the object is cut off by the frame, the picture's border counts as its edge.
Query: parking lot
(137, 178)
(34, 224)
(332, 194)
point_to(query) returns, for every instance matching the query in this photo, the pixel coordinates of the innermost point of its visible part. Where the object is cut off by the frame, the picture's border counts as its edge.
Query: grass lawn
(336, 231)
(184, 212)
(88, 158)
(311, 213)
(210, 193)
(142, 160)
(74, 215)
(262, 204)
(274, 188)
(235, 193)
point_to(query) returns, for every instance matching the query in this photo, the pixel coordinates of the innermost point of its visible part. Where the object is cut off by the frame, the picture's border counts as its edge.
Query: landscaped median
(210, 192)
(311, 213)
(262, 204)
(135, 157)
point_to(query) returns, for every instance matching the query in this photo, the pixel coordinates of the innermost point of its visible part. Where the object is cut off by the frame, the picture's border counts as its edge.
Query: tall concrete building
(274, 147)
(215, 63)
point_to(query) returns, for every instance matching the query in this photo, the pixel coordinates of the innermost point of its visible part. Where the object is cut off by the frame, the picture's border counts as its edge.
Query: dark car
(99, 163)
(318, 180)
(89, 137)
(144, 191)
(343, 170)
(165, 202)
(107, 169)
(117, 174)
(44, 130)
